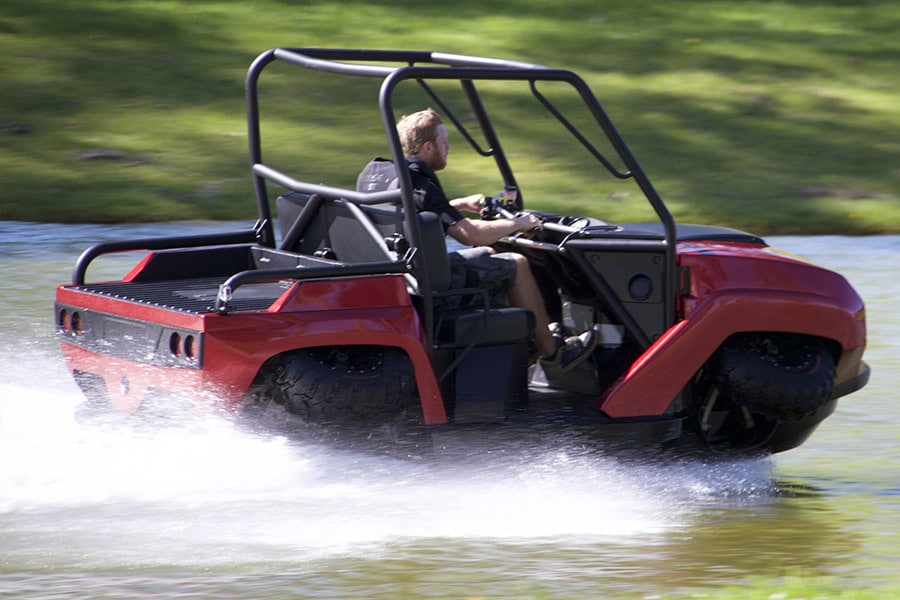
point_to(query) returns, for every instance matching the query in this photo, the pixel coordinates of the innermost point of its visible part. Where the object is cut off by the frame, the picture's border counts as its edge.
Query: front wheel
(785, 376)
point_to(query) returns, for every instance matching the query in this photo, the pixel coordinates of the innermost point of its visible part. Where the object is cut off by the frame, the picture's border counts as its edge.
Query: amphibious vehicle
(336, 308)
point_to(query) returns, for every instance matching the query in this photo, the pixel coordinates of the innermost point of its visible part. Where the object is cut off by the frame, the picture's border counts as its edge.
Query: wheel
(346, 384)
(779, 375)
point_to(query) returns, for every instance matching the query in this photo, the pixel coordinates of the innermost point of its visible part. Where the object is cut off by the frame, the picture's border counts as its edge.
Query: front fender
(657, 376)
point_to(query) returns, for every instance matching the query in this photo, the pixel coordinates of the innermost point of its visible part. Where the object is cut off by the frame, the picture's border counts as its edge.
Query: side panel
(127, 382)
(637, 280)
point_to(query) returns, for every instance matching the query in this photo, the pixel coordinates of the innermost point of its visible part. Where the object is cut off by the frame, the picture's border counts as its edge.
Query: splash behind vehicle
(336, 306)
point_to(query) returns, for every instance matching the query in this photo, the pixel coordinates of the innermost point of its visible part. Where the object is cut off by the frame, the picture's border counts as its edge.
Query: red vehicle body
(710, 337)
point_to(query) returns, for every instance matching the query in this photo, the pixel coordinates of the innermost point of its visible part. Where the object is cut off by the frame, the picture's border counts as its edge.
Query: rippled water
(205, 506)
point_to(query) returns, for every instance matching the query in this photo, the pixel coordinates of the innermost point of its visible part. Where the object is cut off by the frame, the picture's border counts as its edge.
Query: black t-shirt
(428, 193)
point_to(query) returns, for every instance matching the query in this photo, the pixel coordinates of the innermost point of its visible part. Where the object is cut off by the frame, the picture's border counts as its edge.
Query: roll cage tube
(444, 66)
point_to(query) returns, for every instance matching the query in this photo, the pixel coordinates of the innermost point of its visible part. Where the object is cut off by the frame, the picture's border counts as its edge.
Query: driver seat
(481, 352)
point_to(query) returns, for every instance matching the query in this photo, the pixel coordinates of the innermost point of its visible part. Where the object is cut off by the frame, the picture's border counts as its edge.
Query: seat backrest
(434, 251)
(312, 236)
(377, 176)
(380, 174)
(356, 240)
(334, 228)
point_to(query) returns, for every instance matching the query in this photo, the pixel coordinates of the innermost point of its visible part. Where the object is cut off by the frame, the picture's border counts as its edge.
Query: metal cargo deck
(194, 296)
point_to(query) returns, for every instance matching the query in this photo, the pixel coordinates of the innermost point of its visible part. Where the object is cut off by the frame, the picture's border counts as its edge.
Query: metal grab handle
(192, 241)
(226, 290)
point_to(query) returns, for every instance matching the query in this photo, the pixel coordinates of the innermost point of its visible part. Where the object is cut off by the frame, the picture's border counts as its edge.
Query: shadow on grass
(732, 108)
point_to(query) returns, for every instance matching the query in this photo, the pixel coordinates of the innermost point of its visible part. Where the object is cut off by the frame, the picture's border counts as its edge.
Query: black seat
(481, 352)
(459, 327)
(335, 231)
(333, 228)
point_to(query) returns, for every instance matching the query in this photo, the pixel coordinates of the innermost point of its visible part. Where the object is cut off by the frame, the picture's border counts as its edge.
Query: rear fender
(239, 354)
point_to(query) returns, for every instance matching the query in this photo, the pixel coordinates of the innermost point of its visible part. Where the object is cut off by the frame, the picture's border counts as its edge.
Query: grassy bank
(777, 117)
(789, 588)
(795, 588)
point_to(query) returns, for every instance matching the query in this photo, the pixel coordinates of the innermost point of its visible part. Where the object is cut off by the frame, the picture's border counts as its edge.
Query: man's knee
(522, 266)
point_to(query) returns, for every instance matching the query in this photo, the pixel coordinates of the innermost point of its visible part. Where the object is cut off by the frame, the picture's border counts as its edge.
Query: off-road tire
(785, 376)
(345, 384)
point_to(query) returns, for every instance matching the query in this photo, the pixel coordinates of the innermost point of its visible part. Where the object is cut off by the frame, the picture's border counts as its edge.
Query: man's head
(423, 134)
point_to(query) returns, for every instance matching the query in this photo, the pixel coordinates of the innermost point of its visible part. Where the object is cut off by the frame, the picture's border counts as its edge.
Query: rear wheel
(342, 384)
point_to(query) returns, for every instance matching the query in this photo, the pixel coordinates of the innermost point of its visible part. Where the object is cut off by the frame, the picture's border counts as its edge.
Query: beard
(438, 161)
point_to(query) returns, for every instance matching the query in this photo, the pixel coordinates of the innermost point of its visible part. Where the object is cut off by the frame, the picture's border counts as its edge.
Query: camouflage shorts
(480, 268)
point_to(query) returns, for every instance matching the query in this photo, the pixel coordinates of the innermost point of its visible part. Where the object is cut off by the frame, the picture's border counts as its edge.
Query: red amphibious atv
(336, 306)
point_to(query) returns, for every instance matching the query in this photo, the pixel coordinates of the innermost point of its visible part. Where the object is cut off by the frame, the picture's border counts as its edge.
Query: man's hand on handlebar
(526, 222)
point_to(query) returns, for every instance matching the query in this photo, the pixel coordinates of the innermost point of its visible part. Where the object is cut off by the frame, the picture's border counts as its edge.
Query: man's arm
(484, 233)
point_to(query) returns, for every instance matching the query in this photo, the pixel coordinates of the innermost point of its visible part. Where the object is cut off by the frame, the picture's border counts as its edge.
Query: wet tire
(778, 375)
(348, 384)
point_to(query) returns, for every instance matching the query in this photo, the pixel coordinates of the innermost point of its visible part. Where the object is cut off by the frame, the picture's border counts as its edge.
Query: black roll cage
(421, 66)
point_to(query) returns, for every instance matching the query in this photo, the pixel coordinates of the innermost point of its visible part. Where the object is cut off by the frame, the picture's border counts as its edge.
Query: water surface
(124, 509)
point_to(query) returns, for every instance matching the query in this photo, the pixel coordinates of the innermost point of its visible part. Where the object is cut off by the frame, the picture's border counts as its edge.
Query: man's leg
(524, 293)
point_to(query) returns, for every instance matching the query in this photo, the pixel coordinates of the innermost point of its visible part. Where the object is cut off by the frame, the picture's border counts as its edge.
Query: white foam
(208, 483)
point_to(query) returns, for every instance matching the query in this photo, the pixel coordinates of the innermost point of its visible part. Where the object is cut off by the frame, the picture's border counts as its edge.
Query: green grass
(786, 588)
(776, 117)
